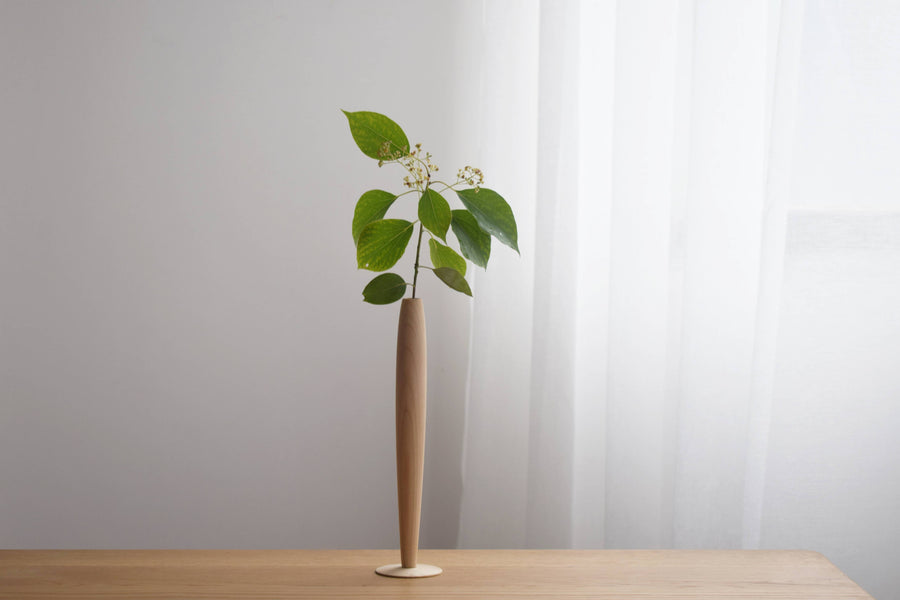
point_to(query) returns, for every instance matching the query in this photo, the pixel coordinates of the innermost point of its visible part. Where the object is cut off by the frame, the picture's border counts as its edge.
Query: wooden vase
(412, 386)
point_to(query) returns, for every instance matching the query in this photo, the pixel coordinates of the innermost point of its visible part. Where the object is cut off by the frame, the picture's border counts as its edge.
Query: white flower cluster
(385, 154)
(470, 175)
(420, 168)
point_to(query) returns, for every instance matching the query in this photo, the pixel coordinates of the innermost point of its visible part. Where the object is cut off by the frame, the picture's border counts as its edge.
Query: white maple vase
(412, 386)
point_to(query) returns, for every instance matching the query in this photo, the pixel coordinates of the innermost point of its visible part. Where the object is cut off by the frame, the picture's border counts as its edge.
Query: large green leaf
(474, 242)
(492, 213)
(434, 212)
(372, 130)
(445, 256)
(452, 278)
(384, 289)
(372, 205)
(382, 243)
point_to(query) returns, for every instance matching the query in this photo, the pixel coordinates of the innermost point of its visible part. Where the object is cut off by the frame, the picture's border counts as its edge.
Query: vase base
(420, 570)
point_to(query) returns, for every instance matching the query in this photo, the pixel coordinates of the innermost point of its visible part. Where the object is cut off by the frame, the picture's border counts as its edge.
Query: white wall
(185, 359)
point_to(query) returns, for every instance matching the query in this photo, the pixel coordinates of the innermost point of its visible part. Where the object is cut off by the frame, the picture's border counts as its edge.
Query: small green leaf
(445, 256)
(492, 213)
(474, 242)
(371, 131)
(372, 205)
(434, 212)
(452, 278)
(382, 243)
(384, 289)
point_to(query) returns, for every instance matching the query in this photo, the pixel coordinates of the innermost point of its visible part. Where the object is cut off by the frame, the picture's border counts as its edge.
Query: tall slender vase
(412, 385)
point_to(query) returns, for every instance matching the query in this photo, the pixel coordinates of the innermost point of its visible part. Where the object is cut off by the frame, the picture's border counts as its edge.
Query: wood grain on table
(472, 574)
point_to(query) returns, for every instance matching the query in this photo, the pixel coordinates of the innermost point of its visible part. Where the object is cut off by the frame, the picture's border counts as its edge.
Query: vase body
(411, 391)
(412, 386)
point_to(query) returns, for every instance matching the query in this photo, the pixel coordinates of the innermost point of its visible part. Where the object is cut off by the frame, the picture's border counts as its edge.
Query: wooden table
(471, 574)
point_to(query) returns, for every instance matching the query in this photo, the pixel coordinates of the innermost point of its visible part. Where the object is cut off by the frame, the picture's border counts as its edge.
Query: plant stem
(416, 268)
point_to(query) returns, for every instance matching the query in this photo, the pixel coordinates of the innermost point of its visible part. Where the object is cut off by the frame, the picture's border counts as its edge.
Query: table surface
(481, 574)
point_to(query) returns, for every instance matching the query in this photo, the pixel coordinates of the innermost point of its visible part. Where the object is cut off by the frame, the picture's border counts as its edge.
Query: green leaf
(445, 256)
(371, 206)
(384, 289)
(492, 213)
(474, 242)
(372, 130)
(434, 212)
(452, 278)
(382, 243)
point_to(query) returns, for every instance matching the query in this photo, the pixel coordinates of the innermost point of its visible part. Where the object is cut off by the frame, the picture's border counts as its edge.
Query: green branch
(381, 243)
(416, 267)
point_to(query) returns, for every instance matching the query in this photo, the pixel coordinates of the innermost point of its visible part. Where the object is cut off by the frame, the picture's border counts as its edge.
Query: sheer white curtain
(699, 346)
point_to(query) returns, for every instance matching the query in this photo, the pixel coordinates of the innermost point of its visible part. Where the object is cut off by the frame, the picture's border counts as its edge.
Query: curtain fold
(634, 378)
